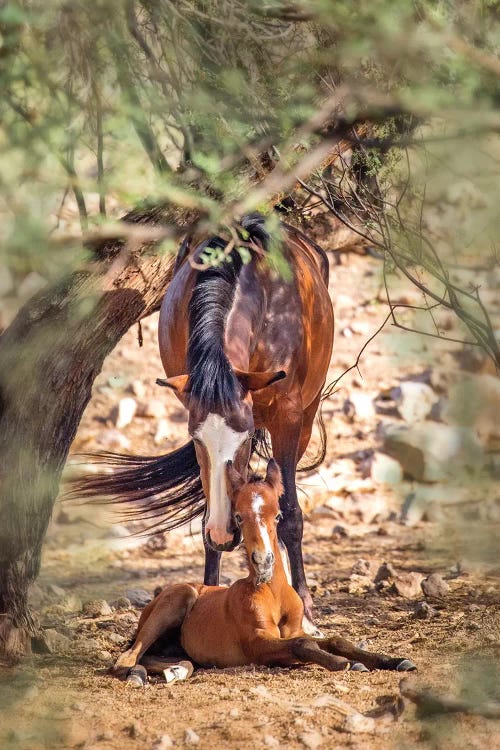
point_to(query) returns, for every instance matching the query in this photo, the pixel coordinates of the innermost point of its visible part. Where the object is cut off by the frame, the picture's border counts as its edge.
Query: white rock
(113, 439)
(162, 431)
(363, 404)
(270, 741)
(311, 740)
(415, 400)
(154, 408)
(164, 742)
(190, 737)
(125, 412)
(385, 470)
(138, 388)
(30, 285)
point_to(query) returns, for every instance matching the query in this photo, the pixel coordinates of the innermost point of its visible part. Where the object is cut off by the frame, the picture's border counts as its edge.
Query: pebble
(138, 597)
(415, 400)
(163, 430)
(423, 611)
(384, 573)
(234, 713)
(270, 741)
(121, 603)
(163, 742)
(361, 567)
(113, 438)
(364, 408)
(311, 740)
(104, 656)
(385, 470)
(190, 737)
(116, 638)
(134, 729)
(155, 409)
(96, 608)
(408, 585)
(124, 413)
(434, 587)
(138, 388)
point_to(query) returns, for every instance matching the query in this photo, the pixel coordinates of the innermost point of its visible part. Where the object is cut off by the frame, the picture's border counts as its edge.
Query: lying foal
(257, 620)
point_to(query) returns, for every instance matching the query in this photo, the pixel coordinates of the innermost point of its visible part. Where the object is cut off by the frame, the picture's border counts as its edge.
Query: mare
(258, 619)
(246, 350)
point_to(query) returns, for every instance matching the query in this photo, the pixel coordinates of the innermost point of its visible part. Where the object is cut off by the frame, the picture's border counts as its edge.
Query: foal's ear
(233, 478)
(255, 381)
(273, 476)
(177, 383)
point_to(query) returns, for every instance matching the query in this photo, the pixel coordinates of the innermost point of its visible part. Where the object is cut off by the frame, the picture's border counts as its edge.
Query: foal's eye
(279, 517)
(238, 518)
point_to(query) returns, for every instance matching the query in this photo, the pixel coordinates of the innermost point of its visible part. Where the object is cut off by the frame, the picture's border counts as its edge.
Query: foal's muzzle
(263, 565)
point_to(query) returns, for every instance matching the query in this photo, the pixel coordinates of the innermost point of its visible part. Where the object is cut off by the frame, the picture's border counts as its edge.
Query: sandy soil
(67, 700)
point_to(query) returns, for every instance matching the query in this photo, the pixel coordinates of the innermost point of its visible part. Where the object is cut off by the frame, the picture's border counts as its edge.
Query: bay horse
(246, 350)
(257, 620)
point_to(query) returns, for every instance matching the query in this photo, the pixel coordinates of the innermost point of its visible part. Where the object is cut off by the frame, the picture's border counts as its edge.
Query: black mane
(211, 378)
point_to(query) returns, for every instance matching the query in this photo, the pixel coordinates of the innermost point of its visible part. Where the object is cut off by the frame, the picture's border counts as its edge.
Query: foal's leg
(288, 651)
(165, 612)
(341, 647)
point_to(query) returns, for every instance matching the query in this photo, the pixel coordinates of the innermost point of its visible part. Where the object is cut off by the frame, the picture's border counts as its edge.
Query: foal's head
(256, 511)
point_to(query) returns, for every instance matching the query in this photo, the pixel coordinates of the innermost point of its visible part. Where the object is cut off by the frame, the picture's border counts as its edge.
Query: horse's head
(222, 433)
(257, 512)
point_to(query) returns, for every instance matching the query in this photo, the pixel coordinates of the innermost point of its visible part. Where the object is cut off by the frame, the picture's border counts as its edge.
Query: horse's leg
(165, 612)
(271, 651)
(342, 647)
(285, 431)
(212, 565)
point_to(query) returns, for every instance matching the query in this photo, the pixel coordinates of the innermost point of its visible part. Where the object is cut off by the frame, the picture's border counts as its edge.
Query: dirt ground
(66, 698)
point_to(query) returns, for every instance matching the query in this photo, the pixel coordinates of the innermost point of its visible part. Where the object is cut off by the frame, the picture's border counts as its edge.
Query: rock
(385, 470)
(190, 737)
(30, 285)
(113, 439)
(134, 729)
(105, 736)
(138, 597)
(434, 587)
(116, 638)
(423, 611)
(364, 408)
(415, 400)
(122, 602)
(384, 573)
(359, 584)
(104, 656)
(154, 409)
(71, 603)
(50, 641)
(408, 585)
(164, 742)
(270, 741)
(311, 740)
(138, 388)
(433, 452)
(162, 431)
(361, 567)
(234, 713)
(96, 608)
(124, 413)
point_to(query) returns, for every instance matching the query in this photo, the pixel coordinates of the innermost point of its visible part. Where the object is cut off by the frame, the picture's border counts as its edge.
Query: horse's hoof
(358, 667)
(178, 672)
(405, 665)
(137, 677)
(310, 628)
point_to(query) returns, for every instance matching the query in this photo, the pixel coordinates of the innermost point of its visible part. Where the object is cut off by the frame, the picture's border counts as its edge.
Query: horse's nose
(265, 560)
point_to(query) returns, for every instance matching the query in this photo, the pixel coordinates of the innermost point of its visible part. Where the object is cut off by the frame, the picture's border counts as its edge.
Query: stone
(50, 641)
(162, 431)
(122, 602)
(361, 567)
(164, 742)
(138, 388)
(433, 452)
(434, 587)
(96, 608)
(384, 573)
(385, 470)
(116, 638)
(71, 603)
(415, 400)
(138, 597)
(190, 737)
(364, 407)
(31, 285)
(104, 656)
(154, 409)
(408, 585)
(359, 584)
(112, 439)
(124, 413)
(270, 741)
(311, 740)
(134, 729)
(423, 611)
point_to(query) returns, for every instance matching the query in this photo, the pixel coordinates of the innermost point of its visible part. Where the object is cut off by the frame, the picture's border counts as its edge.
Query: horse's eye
(238, 518)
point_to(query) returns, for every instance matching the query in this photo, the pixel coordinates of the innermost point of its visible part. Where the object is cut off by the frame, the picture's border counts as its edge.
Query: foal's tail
(164, 489)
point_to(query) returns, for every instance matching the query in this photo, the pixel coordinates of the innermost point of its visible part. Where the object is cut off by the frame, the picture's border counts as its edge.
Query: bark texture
(49, 358)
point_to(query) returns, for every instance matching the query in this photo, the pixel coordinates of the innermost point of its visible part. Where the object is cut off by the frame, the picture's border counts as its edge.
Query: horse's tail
(164, 489)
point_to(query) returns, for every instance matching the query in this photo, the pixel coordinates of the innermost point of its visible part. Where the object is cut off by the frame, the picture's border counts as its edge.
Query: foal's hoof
(356, 666)
(137, 677)
(405, 665)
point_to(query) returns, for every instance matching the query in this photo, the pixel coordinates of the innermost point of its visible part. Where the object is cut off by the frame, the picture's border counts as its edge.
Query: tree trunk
(49, 358)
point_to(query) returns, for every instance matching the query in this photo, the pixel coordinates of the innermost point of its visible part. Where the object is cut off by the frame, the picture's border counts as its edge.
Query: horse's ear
(254, 381)
(273, 476)
(177, 383)
(233, 478)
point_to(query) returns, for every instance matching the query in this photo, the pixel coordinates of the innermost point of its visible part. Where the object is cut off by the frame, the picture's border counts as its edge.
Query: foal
(257, 620)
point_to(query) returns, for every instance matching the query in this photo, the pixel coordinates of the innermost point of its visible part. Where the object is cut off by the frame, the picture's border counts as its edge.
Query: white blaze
(257, 504)
(221, 443)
